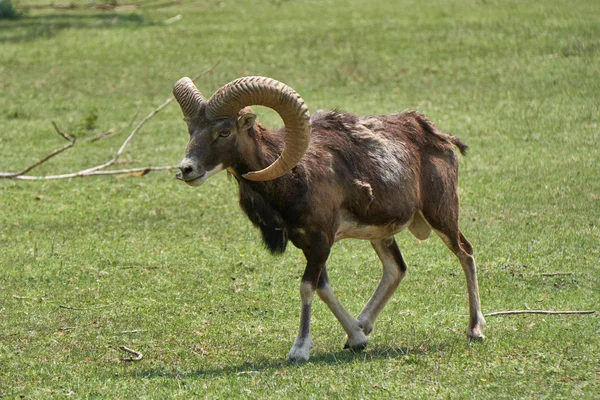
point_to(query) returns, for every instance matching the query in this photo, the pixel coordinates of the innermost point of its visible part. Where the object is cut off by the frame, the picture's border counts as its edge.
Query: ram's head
(218, 127)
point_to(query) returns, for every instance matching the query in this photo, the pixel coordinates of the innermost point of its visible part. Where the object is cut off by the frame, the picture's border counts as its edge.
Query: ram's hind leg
(441, 213)
(394, 269)
(461, 247)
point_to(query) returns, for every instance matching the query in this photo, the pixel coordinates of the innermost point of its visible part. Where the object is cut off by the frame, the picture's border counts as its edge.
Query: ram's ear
(245, 119)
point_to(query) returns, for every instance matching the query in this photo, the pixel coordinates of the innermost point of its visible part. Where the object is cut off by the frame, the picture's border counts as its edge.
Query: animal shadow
(29, 28)
(261, 365)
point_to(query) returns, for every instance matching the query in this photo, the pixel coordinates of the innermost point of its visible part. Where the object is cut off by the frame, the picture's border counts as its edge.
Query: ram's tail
(430, 128)
(456, 141)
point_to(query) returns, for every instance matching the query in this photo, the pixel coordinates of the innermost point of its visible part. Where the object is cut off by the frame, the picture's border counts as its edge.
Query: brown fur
(377, 173)
(361, 177)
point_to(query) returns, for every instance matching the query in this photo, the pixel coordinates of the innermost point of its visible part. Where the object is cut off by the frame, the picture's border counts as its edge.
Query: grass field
(179, 274)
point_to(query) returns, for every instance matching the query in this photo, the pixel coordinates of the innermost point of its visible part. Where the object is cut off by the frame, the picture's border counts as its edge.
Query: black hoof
(359, 347)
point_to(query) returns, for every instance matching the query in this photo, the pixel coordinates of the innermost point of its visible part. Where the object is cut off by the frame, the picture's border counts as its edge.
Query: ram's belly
(355, 230)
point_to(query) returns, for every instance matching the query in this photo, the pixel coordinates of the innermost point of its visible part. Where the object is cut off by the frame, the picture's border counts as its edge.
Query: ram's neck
(258, 149)
(262, 206)
(262, 201)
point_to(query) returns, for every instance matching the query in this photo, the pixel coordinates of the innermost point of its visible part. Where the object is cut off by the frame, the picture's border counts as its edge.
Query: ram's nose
(186, 169)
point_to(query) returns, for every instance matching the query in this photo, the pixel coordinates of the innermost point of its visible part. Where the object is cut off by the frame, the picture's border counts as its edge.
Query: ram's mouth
(197, 181)
(200, 179)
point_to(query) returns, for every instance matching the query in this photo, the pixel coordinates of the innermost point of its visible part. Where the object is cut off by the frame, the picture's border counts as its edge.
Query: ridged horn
(261, 91)
(188, 96)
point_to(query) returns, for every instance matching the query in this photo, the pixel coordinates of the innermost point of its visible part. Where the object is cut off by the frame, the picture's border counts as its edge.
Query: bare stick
(556, 273)
(63, 134)
(81, 308)
(46, 158)
(126, 142)
(97, 173)
(67, 328)
(29, 298)
(72, 308)
(104, 135)
(97, 170)
(137, 356)
(140, 124)
(538, 312)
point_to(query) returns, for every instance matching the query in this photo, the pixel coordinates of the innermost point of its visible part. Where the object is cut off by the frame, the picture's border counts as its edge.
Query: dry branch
(98, 169)
(29, 298)
(72, 308)
(547, 312)
(15, 175)
(137, 356)
(556, 273)
(67, 328)
(66, 307)
(104, 135)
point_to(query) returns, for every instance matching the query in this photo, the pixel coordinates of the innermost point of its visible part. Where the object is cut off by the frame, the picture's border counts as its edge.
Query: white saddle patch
(352, 229)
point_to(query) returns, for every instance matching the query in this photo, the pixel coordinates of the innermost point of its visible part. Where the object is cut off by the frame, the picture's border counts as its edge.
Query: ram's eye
(224, 133)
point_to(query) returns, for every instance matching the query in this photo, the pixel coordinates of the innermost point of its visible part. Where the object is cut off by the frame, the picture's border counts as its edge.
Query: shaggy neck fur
(254, 195)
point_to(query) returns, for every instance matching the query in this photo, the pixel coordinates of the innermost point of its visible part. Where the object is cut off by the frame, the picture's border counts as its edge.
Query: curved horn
(188, 97)
(260, 91)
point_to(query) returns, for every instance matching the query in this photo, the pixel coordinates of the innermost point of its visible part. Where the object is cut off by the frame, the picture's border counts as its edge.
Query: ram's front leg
(316, 250)
(301, 348)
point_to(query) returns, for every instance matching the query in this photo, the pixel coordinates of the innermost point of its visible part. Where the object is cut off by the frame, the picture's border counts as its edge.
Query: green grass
(180, 274)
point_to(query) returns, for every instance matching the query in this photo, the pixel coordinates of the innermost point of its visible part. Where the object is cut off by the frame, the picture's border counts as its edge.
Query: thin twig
(104, 135)
(134, 331)
(72, 308)
(125, 143)
(67, 328)
(537, 312)
(97, 173)
(97, 170)
(44, 159)
(83, 308)
(63, 134)
(137, 356)
(17, 175)
(29, 298)
(555, 273)
(139, 126)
